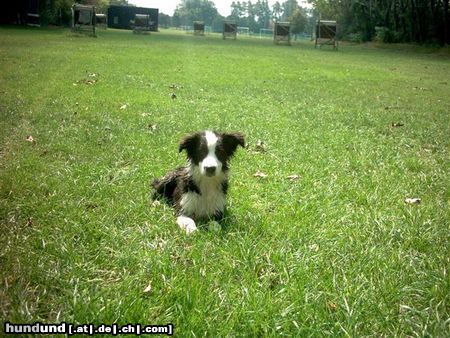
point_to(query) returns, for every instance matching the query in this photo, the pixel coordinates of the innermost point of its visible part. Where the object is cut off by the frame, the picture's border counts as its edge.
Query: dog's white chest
(203, 205)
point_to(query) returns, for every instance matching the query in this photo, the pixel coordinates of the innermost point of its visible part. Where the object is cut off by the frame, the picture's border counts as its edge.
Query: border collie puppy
(198, 191)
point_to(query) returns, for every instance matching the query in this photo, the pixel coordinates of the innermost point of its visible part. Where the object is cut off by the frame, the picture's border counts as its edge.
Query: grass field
(335, 252)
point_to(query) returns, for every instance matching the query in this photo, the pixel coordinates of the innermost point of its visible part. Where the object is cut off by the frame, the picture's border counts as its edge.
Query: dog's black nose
(210, 170)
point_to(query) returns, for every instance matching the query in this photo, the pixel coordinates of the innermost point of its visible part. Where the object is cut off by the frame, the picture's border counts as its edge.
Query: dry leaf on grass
(91, 80)
(313, 247)
(124, 106)
(260, 146)
(397, 124)
(148, 289)
(175, 86)
(331, 306)
(91, 206)
(414, 200)
(260, 174)
(30, 139)
(152, 126)
(293, 177)
(156, 203)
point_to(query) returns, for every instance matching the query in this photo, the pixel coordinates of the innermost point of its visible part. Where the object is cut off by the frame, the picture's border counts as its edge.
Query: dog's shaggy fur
(198, 191)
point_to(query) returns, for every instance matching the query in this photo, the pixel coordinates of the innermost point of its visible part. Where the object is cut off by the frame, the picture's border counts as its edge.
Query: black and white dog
(198, 191)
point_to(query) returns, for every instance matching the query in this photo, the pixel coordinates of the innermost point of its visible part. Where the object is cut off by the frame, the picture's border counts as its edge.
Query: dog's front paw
(186, 224)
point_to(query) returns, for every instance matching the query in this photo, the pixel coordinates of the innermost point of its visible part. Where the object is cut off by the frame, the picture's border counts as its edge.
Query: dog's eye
(203, 149)
(221, 154)
(199, 153)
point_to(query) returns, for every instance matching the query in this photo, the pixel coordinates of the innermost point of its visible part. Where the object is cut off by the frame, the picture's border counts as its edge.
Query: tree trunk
(446, 22)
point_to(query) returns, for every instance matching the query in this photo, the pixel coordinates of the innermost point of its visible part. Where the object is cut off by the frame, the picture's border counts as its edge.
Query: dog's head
(211, 151)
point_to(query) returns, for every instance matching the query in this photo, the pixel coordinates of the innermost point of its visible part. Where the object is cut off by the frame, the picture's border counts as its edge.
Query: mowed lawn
(86, 123)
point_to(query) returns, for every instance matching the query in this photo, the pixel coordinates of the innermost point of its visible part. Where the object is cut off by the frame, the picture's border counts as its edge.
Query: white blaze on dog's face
(211, 151)
(210, 165)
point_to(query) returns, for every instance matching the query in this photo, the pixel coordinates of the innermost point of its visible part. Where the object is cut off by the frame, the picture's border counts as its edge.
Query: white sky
(168, 6)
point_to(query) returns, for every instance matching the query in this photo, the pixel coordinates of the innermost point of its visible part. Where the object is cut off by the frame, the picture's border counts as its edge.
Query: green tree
(237, 10)
(176, 20)
(217, 24)
(288, 7)
(298, 21)
(253, 15)
(263, 13)
(55, 12)
(58, 12)
(118, 2)
(164, 20)
(389, 20)
(189, 11)
(277, 11)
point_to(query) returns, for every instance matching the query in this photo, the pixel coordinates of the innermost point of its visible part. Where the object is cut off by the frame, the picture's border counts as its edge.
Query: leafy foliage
(298, 21)
(196, 10)
(57, 12)
(255, 15)
(398, 20)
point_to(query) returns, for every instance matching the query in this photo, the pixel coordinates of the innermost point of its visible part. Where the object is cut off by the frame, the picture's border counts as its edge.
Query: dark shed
(123, 16)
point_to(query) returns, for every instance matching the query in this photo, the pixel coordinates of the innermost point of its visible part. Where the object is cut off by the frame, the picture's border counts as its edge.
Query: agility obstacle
(282, 32)
(229, 30)
(199, 28)
(83, 18)
(326, 33)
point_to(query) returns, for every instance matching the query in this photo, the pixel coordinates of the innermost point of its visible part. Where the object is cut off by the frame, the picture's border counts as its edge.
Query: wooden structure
(229, 30)
(101, 20)
(141, 23)
(123, 17)
(83, 18)
(32, 17)
(282, 32)
(199, 28)
(326, 33)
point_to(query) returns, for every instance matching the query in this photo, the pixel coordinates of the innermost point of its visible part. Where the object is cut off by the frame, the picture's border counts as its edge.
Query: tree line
(421, 21)
(252, 14)
(51, 12)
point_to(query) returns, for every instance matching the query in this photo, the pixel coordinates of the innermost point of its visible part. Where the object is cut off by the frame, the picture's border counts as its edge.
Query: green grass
(336, 252)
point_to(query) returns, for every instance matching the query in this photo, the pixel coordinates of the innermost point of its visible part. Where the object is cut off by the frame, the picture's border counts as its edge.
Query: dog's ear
(189, 142)
(231, 141)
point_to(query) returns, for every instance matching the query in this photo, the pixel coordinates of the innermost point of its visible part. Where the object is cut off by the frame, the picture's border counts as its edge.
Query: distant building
(123, 17)
(19, 12)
